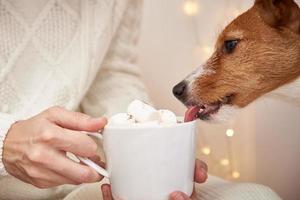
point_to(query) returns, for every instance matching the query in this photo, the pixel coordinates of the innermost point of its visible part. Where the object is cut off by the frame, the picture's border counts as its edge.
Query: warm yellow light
(224, 162)
(191, 7)
(229, 132)
(206, 150)
(236, 174)
(202, 52)
(207, 50)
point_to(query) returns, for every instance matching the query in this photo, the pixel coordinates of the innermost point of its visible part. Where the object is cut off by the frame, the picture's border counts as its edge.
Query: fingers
(74, 120)
(75, 142)
(98, 161)
(200, 177)
(178, 196)
(44, 178)
(106, 192)
(200, 171)
(202, 165)
(76, 172)
(55, 161)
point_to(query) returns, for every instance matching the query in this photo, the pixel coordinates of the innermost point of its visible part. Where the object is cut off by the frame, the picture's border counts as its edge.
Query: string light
(235, 174)
(229, 132)
(224, 162)
(207, 50)
(206, 150)
(191, 7)
(203, 51)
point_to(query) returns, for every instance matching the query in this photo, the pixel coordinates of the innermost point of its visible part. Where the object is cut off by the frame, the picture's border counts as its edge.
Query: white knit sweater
(75, 54)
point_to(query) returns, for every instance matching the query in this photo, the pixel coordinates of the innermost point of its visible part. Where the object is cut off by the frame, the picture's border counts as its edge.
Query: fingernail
(203, 175)
(98, 118)
(203, 171)
(179, 196)
(106, 191)
(102, 119)
(203, 166)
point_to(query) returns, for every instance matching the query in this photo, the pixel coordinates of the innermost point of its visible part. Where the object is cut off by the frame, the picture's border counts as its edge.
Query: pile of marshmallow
(140, 113)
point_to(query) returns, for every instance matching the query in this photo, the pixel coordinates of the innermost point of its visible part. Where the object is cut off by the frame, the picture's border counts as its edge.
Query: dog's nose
(179, 90)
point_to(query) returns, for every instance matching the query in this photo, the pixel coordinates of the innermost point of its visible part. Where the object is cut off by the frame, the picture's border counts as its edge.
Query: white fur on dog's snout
(225, 113)
(197, 73)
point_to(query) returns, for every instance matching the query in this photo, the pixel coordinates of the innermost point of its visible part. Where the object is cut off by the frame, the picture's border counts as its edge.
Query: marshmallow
(140, 114)
(142, 111)
(167, 116)
(147, 124)
(121, 119)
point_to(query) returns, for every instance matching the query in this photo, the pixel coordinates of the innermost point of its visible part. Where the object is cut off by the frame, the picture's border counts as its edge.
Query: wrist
(6, 121)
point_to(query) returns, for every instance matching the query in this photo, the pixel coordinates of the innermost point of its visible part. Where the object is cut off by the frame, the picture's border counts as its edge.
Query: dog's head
(256, 53)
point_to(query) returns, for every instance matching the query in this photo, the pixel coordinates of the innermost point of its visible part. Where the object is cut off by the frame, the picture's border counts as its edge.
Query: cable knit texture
(81, 55)
(53, 55)
(5, 122)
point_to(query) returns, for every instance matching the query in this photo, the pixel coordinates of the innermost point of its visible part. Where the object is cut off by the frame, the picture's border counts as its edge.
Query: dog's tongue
(191, 113)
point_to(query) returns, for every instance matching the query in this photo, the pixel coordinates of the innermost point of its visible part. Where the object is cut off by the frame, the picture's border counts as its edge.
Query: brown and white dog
(256, 53)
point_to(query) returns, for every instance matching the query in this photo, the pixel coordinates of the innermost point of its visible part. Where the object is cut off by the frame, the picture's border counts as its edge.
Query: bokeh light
(229, 132)
(191, 7)
(206, 150)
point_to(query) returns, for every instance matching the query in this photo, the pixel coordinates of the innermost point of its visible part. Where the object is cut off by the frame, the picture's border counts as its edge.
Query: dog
(258, 52)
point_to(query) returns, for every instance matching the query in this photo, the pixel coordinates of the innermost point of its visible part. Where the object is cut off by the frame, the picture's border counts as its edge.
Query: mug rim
(152, 127)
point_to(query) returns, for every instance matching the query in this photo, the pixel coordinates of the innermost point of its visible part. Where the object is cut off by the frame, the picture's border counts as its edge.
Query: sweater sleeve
(118, 81)
(6, 121)
(217, 188)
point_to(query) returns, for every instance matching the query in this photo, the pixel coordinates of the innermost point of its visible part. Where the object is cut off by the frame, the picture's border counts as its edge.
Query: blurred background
(262, 144)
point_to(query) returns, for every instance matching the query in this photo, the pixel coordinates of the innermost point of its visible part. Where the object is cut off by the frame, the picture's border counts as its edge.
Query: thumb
(106, 192)
(74, 120)
(179, 196)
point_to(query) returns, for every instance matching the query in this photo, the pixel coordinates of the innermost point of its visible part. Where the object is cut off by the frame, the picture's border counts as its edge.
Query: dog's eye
(229, 45)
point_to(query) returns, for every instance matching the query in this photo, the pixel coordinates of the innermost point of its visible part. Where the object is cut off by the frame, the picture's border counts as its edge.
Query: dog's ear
(279, 13)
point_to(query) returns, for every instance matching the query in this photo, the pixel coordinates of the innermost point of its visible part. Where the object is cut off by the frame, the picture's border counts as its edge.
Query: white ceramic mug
(149, 163)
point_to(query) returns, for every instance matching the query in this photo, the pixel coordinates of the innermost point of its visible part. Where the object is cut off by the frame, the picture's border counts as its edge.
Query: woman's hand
(34, 149)
(200, 177)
